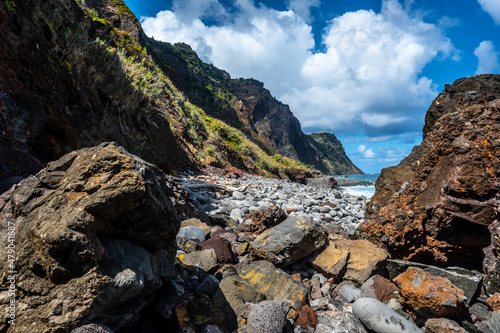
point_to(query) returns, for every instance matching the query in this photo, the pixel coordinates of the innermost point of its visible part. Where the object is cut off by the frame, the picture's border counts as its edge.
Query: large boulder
(94, 236)
(430, 296)
(272, 282)
(296, 175)
(436, 205)
(291, 240)
(331, 261)
(365, 259)
(469, 282)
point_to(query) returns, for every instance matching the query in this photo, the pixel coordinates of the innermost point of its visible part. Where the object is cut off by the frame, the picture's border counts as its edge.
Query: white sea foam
(361, 190)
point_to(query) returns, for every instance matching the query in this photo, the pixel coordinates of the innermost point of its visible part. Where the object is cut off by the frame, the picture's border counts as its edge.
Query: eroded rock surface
(436, 206)
(95, 238)
(429, 295)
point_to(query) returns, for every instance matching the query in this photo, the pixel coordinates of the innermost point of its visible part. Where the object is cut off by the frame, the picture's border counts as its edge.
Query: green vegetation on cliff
(333, 154)
(100, 78)
(121, 68)
(242, 103)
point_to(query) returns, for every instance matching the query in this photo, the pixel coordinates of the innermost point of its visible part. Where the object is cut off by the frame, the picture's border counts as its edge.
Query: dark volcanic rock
(306, 317)
(267, 316)
(436, 206)
(54, 97)
(291, 240)
(296, 175)
(222, 248)
(95, 238)
(92, 328)
(266, 218)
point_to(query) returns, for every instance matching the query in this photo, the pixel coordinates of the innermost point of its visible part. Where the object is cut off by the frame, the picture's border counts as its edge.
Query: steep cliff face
(74, 74)
(65, 83)
(242, 103)
(274, 122)
(333, 154)
(439, 203)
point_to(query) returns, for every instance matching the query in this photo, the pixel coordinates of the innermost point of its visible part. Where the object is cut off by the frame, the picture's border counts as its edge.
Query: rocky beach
(108, 243)
(143, 190)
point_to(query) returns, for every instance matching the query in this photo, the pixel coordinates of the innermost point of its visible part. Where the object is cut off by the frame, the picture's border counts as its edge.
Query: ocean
(361, 190)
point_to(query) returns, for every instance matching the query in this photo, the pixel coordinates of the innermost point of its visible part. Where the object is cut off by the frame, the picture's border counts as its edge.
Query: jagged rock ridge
(440, 204)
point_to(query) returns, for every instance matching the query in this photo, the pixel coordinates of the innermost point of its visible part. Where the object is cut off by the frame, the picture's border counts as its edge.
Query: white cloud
(487, 58)
(366, 153)
(361, 149)
(366, 80)
(380, 120)
(380, 138)
(258, 42)
(303, 8)
(492, 7)
(369, 76)
(391, 155)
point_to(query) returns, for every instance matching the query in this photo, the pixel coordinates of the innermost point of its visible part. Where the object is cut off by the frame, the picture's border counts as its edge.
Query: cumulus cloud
(366, 153)
(487, 58)
(366, 80)
(492, 7)
(303, 8)
(369, 76)
(257, 42)
(384, 155)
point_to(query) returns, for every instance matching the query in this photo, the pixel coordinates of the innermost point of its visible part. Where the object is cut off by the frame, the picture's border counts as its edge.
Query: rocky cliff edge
(440, 204)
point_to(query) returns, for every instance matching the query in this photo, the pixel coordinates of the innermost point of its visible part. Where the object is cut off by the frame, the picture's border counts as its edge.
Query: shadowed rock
(95, 238)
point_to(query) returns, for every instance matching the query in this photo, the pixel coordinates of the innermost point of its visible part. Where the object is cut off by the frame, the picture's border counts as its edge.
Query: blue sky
(366, 70)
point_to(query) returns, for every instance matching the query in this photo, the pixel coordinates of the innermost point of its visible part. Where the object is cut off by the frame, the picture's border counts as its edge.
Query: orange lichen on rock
(428, 295)
(494, 302)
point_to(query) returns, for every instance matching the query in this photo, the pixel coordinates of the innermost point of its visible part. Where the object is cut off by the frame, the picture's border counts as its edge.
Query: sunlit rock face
(438, 204)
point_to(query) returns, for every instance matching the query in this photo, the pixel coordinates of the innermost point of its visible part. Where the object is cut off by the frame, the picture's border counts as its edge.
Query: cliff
(333, 154)
(69, 79)
(243, 103)
(76, 74)
(439, 204)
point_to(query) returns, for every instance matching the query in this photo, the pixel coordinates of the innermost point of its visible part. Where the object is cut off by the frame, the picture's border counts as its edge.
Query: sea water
(362, 190)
